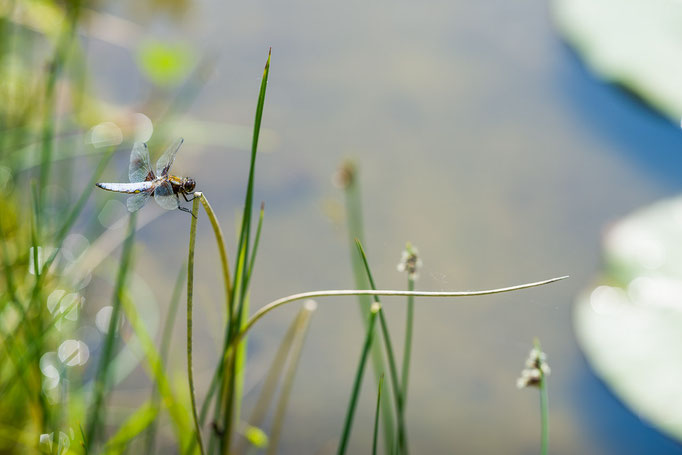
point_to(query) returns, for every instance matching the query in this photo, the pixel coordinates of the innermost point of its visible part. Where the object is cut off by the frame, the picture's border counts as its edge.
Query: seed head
(410, 262)
(536, 369)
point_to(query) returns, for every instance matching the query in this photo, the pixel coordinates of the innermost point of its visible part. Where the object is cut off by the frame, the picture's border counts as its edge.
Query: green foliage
(49, 251)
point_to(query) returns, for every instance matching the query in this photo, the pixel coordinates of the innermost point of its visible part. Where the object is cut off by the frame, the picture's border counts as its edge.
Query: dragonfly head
(188, 185)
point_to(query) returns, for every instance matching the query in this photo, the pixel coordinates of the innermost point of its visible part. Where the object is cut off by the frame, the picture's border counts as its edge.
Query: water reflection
(480, 138)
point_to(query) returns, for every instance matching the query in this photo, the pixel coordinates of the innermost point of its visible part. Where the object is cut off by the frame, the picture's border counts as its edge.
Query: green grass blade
(31, 353)
(240, 366)
(83, 443)
(241, 276)
(190, 294)
(350, 411)
(54, 69)
(144, 416)
(154, 365)
(393, 370)
(166, 334)
(351, 186)
(76, 210)
(407, 350)
(256, 241)
(376, 417)
(101, 376)
(248, 203)
(280, 410)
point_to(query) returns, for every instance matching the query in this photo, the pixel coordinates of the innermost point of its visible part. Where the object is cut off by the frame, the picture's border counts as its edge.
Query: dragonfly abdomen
(130, 188)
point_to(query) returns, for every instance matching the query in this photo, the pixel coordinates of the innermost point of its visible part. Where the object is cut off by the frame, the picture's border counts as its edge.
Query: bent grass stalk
(386, 293)
(220, 241)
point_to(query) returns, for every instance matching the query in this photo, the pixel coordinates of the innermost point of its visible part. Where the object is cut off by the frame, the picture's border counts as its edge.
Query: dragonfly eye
(188, 185)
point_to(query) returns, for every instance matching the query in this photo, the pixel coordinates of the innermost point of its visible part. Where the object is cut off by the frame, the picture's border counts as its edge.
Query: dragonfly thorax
(181, 184)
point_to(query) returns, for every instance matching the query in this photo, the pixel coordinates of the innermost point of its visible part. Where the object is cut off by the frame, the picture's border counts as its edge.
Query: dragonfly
(144, 183)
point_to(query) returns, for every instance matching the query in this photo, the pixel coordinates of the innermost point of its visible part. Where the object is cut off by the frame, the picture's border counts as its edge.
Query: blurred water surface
(480, 138)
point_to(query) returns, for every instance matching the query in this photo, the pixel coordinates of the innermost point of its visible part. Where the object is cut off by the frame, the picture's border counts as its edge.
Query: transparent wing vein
(165, 196)
(166, 160)
(140, 169)
(136, 201)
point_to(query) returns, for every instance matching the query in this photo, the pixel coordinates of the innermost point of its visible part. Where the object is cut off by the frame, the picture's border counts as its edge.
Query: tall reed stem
(350, 412)
(190, 294)
(407, 351)
(544, 407)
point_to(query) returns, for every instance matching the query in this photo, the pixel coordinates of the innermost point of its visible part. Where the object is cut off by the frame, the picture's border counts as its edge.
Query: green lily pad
(630, 326)
(635, 44)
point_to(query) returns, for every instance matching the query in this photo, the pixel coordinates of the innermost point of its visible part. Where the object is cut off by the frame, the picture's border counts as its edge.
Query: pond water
(480, 138)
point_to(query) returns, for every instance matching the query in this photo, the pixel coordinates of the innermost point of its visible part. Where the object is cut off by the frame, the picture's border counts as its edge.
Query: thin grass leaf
(241, 277)
(183, 427)
(350, 411)
(240, 365)
(393, 370)
(349, 178)
(142, 418)
(31, 353)
(101, 376)
(83, 443)
(256, 241)
(280, 410)
(190, 293)
(54, 68)
(166, 332)
(9, 273)
(376, 417)
(74, 213)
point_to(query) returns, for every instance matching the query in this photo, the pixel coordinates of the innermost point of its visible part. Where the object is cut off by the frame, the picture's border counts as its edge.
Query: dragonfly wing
(140, 169)
(166, 160)
(165, 196)
(136, 201)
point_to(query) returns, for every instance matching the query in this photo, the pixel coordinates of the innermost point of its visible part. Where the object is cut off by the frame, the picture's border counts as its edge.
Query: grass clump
(53, 399)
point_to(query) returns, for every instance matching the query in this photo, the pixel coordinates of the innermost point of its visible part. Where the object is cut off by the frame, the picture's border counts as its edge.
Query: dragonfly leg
(184, 209)
(188, 200)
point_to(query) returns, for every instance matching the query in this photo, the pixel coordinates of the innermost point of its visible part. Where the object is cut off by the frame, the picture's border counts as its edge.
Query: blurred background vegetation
(478, 135)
